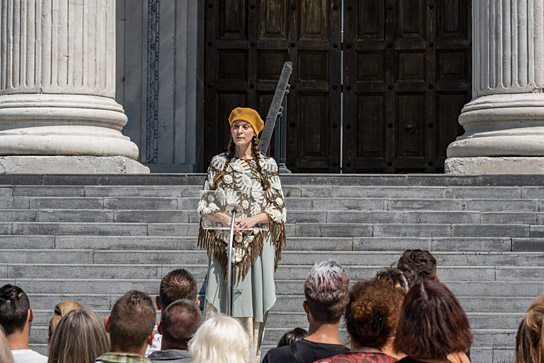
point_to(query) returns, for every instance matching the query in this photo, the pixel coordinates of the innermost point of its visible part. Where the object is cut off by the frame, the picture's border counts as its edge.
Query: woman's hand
(222, 218)
(251, 222)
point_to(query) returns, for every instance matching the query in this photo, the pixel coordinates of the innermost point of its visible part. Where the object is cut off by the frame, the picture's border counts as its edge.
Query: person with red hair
(432, 325)
(371, 318)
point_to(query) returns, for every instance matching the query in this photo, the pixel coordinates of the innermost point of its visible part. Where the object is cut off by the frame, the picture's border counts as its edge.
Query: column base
(495, 165)
(70, 165)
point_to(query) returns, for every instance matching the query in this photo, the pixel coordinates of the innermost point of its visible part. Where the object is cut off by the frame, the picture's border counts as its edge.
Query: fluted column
(504, 122)
(57, 88)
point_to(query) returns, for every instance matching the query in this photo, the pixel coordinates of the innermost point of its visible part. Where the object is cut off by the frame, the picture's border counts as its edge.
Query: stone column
(57, 88)
(504, 122)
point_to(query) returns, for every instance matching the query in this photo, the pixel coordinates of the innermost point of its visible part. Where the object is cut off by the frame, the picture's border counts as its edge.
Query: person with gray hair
(326, 293)
(178, 323)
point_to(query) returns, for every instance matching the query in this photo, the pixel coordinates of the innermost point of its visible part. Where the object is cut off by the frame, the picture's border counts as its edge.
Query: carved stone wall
(157, 80)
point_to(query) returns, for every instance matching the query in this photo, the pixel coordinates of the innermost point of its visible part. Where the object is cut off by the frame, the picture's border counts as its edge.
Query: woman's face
(242, 133)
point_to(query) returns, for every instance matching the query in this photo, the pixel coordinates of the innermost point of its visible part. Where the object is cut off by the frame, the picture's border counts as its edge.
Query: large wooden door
(407, 76)
(247, 42)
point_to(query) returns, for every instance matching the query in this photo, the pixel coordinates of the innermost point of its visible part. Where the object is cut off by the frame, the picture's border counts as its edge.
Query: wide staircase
(92, 238)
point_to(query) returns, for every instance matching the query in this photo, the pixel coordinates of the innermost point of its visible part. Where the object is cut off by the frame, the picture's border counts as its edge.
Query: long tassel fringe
(208, 240)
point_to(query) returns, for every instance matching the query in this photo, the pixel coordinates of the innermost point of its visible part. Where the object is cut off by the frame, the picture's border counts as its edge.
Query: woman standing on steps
(243, 168)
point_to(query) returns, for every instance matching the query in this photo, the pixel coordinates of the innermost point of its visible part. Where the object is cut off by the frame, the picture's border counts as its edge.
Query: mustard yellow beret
(248, 115)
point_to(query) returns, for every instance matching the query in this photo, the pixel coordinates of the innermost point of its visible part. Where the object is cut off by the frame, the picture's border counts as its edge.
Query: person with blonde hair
(534, 325)
(79, 337)
(5, 352)
(61, 309)
(220, 339)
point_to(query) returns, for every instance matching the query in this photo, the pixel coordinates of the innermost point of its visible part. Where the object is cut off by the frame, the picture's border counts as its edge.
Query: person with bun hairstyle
(244, 168)
(371, 318)
(61, 309)
(433, 326)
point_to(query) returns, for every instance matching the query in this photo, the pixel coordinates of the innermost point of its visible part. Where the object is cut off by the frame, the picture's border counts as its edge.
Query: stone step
(303, 190)
(296, 216)
(418, 230)
(76, 285)
(361, 180)
(495, 321)
(434, 244)
(284, 272)
(300, 229)
(352, 258)
(469, 304)
(332, 203)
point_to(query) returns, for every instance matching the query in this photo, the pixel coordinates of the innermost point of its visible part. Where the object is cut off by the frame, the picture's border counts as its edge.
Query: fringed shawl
(245, 178)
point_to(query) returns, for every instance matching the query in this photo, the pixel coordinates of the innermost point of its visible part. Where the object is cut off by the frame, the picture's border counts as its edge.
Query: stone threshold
(395, 180)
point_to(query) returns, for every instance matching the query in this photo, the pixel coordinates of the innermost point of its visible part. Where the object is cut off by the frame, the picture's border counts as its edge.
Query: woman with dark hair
(292, 336)
(371, 318)
(396, 278)
(433, 326)
(244, 169)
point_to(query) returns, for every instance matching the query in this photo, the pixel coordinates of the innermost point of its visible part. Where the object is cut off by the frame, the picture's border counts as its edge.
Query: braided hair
(230, 154)
(257, 152)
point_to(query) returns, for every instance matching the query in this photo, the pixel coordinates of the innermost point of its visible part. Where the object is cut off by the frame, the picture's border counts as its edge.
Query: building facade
(377, 87)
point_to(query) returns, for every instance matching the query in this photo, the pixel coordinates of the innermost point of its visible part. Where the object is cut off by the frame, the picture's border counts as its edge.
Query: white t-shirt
(27, 356)
(155, 345)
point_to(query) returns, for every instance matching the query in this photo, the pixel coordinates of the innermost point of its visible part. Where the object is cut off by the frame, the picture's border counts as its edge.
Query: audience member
(178, 323)
(534, 324)
(292, 336)
(61, 309)
(16, 317)
(131, 328)
(417, 265)
(176, 285)
(79, 337)
(371, 318)
(420, 265)
(326, 293)
(5, 352)
(220, 339)
(432, 325)
(524, 352)
(396, 278)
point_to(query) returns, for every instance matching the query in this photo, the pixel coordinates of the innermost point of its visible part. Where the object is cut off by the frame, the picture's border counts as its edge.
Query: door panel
(406, 78)
(246, 46)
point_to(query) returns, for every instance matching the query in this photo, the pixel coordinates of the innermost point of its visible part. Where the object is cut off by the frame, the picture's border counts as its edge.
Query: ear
(107, 324)
(197, 302)
(150, 337)
(159, 327)
(30, 315)
(158, 302)
(306, 308)
(437, 279)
